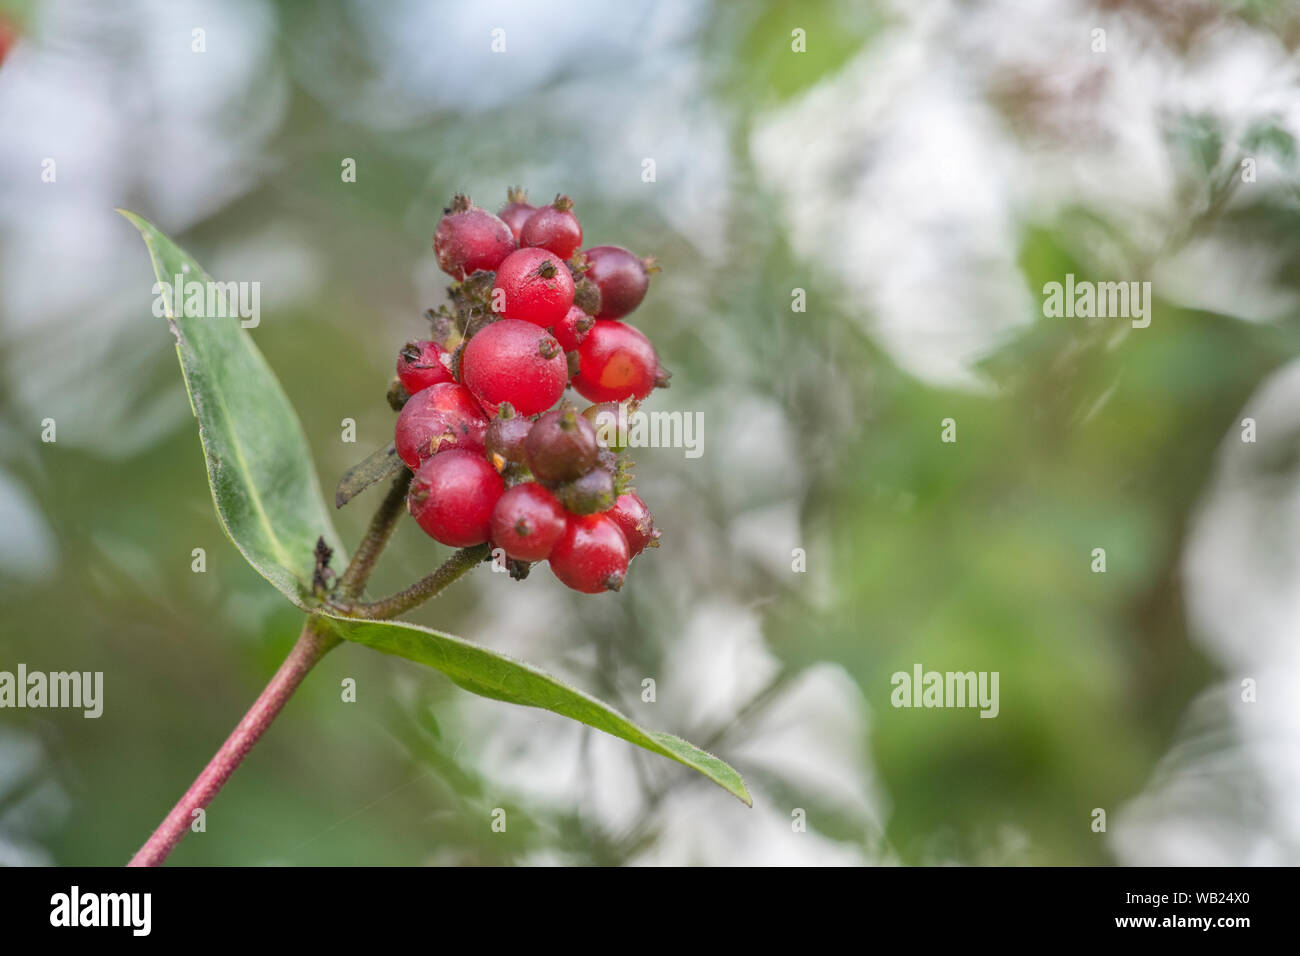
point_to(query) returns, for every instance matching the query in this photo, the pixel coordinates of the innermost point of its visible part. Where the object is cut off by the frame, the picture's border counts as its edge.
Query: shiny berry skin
(592, 555)
(621, 277)
(516, 211)
(572, 329)
(587, 494)
(554, 228)
(516, 362)
(616, 362)
(469, 238)
(421, 364)
(452, 497)
(561, 446)
(439, 418)
(635, 521)
(505, 440)
(533, 285)
(527, 522)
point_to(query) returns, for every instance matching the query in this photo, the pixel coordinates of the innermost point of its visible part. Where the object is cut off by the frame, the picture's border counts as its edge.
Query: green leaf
(259, 466)
(489, 674)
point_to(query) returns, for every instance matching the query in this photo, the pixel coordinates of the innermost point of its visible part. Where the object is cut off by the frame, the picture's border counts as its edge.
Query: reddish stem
(311, 647)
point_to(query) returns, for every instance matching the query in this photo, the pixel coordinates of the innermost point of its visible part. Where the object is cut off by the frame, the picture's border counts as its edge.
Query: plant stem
(377, 535)
(419, 592)
(309, 649)
(312, 645)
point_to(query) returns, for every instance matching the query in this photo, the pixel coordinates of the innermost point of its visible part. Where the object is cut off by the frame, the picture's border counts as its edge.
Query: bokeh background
(920, 172)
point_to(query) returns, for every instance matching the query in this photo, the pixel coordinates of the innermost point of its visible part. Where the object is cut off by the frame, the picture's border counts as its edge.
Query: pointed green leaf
(259, 466)
(500, 677)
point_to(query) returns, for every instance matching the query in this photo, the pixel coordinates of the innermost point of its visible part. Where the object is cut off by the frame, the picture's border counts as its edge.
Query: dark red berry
(516, 362)
(517, 210)
(452, 497)
(469, 238)
(561, 446)
(527, 522)
(589, 493)
(621, 277)
(592, 555)
(573, 328)
(505, 436)
(533, 285)
(554, 228)
(635, 521)
(615, 362)
(438, 418)
(421, 364)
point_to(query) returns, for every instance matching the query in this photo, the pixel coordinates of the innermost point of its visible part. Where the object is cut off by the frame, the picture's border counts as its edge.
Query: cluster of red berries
(494, 459)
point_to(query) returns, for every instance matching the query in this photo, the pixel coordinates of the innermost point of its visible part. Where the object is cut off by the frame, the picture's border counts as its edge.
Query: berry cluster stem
(427, 587)
(372, 545)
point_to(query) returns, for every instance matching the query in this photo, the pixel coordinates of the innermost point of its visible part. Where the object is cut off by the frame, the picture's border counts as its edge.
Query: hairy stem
(309, 649)
(422, 590)
(372, 545)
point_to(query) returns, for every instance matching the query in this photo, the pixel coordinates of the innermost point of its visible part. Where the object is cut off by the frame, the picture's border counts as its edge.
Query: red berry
(438, 418)
(554, 228)
(452, 497)
(516, 362)
(527, 521)
(535, 285)
(592, 555)
(517, 211)
(621, 277)
(635, 521)
(573, 328)
(469, 238)
(421, 364)
(561, 446)
(615, 362)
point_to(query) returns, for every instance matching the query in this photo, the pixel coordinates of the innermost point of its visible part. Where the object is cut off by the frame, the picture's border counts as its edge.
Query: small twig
(419, 592)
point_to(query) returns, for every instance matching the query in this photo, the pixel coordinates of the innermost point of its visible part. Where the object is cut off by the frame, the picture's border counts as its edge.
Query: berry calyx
(438, 418)
(635, 521)
(621, 277)
(527, 522)
(589, 493)
(554, 228)
(616, 362)
(592, 555)
(452, 497)
(469, 238)
(533, 285)
(421, 364)
(517, 210)
(516, 362)
(561, 446)
(573, 328)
